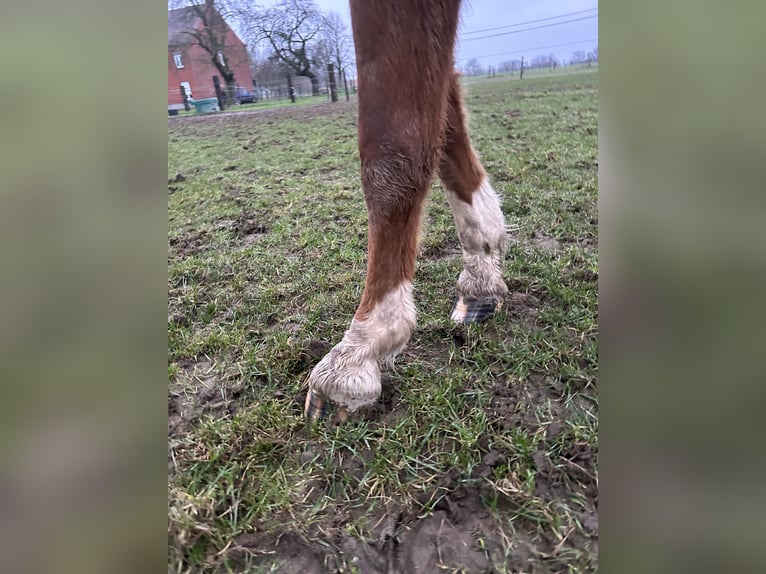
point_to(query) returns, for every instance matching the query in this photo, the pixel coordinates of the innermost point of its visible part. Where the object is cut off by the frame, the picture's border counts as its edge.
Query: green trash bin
(205, 105)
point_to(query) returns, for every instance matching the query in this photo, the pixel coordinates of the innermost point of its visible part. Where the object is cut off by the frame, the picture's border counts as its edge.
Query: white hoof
(340, 378)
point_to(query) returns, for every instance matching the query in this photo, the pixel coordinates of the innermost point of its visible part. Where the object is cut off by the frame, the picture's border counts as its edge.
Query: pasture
(481, 455)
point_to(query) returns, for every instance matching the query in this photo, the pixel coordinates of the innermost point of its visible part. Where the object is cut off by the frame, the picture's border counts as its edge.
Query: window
(179, 62)
(220, 58)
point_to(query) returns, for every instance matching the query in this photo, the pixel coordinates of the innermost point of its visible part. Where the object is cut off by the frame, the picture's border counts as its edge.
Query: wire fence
(299, 87)
(529, 73)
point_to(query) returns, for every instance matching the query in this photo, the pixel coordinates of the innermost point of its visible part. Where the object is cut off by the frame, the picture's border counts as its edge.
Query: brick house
(190, 65)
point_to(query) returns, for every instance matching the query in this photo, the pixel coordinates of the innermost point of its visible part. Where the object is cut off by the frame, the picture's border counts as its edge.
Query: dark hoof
(316, 408)
(474, 310)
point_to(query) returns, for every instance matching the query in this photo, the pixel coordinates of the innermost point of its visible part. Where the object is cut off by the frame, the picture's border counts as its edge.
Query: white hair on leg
(483, 237)
(349, 374)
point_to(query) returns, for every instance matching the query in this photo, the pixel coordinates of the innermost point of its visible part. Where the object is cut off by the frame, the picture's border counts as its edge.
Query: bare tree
(579, 57)
(212, 36)
(338, 42)
(292, 29)
(269, 73)
(593, 55)
(539, 61)
(473, 68)
(509, 66)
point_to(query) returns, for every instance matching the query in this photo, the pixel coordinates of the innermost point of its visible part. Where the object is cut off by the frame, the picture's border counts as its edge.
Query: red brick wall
(199, 71)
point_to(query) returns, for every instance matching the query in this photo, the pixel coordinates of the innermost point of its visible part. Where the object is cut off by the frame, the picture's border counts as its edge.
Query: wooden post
(333, 87)
(184, 98)
(345, 83)
(218, 93)
(521, 71)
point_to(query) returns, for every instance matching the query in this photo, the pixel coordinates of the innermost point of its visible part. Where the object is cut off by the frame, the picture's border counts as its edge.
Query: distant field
(482, 452)
(530, 73)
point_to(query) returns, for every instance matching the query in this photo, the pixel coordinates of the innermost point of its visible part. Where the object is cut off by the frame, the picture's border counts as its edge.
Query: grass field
(481, 455)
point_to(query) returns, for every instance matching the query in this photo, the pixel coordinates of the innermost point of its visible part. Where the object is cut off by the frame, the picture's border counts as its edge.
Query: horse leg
(403, 81)
(478, 218)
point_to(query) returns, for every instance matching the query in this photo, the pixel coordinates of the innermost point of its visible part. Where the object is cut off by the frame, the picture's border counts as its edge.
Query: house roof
(181, 21)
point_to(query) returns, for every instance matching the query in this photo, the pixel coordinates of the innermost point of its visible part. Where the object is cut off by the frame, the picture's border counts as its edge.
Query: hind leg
(478, 218)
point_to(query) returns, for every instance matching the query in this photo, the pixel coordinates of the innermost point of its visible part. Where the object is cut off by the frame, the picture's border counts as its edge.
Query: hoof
(316, 407)
(474, 310)
(341, 379)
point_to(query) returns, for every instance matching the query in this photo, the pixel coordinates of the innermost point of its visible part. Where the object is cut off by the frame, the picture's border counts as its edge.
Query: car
(244, 96)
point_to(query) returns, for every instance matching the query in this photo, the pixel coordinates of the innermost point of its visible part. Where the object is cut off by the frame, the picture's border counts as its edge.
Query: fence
(299, 87)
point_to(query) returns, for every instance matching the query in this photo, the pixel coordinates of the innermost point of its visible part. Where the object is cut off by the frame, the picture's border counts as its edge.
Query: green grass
(267, 242)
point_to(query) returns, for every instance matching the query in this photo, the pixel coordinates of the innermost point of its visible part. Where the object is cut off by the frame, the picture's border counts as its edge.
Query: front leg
(395, 182)
(403, 85)
(349, 375)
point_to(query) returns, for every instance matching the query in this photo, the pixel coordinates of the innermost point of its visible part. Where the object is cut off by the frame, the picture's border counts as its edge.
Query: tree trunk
(231, 88)
(314, 81)
(333, 85)
(219, 93)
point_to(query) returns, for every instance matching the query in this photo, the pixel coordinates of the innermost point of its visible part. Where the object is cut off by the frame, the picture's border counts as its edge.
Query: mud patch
(448, 248)
(247, 227)
(513, 403)
(565, 467)
(438, 544)
(586, 164)
(197, 389)
(546, 242)
(522, 307)
(289, 554)
(459, 536)
(189, 244)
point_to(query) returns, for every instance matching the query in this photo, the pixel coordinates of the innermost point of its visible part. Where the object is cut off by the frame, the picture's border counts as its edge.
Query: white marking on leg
(483, 237)
(349, 374)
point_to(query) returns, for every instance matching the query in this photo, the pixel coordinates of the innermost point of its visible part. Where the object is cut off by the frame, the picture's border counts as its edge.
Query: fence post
(184, 98)
(218, 93)
(333, 87)
(521, 71)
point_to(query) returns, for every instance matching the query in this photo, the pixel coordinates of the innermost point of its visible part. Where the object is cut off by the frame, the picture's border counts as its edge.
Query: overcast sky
(483, 14)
